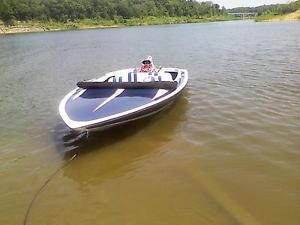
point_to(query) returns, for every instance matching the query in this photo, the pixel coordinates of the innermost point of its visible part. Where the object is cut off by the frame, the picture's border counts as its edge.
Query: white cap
(149, 58)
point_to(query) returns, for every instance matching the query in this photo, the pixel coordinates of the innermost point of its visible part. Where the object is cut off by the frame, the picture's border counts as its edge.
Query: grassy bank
(286, 17)
(39, 26)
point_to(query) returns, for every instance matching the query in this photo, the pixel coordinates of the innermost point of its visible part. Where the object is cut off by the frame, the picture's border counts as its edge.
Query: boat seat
(142, 77)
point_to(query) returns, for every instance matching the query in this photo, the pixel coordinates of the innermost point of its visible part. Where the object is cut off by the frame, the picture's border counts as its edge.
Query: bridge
(243, 15)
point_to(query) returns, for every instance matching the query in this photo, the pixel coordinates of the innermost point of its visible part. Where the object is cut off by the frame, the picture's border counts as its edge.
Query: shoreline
(37, 29)
(38, 26)
(25, 27)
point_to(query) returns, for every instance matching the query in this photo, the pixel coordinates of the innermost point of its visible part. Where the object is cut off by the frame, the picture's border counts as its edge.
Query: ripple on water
(234, 116)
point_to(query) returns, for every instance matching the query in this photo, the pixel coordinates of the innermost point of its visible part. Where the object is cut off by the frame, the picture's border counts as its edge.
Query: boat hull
(130, 117)
(99, 107)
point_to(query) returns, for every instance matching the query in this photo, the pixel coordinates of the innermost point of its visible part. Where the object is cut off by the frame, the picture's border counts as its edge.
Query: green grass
(150, 20)
(265, 17)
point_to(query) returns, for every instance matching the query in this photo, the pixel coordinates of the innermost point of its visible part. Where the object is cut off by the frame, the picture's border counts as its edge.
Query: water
(227, 152)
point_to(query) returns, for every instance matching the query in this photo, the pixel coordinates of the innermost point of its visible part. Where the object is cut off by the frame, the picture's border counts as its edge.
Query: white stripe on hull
(117, 93)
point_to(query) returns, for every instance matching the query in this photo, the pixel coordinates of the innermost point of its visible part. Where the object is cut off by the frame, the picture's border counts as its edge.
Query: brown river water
(227, 151)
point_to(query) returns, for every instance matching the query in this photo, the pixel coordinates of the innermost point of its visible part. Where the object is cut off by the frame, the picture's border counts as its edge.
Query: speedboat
(121, 96)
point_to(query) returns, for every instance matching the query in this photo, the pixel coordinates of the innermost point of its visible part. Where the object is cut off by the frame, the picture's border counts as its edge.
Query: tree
(6, 12)
(65, 10)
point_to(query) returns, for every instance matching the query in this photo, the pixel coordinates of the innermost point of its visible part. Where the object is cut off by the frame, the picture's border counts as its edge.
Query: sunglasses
(146, 62)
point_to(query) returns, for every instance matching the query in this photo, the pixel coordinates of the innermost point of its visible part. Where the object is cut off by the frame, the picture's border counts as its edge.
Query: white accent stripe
(118, 92)
(132, 77)
(159, 93)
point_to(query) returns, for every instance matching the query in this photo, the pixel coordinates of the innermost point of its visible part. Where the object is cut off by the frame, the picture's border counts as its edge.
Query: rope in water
(42, 187)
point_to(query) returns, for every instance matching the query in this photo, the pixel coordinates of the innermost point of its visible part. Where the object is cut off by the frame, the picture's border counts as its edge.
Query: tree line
(275, 9)
(70, 10)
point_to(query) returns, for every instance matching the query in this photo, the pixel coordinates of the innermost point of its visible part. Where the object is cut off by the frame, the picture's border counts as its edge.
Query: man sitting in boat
(147, 65)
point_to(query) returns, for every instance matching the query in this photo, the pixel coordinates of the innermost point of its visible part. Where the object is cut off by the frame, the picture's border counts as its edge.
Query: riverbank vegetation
(47, 15)
(51, 15)
(72, 10)
(279, 17)
(39, 26)
(288, 11)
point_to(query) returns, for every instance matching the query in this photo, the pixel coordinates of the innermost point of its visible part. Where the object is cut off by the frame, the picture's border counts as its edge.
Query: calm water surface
(227, 152)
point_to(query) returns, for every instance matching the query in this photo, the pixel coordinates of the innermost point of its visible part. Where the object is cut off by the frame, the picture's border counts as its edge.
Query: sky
(245, 3)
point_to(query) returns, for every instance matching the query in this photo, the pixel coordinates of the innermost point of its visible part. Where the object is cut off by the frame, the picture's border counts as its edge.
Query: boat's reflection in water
(160, 127)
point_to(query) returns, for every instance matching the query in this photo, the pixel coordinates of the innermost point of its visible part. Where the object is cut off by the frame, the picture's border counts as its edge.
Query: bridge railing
(244, 15)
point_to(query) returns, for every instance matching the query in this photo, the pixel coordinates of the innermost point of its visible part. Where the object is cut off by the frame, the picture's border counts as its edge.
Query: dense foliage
(275, 9)
(70, 10)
